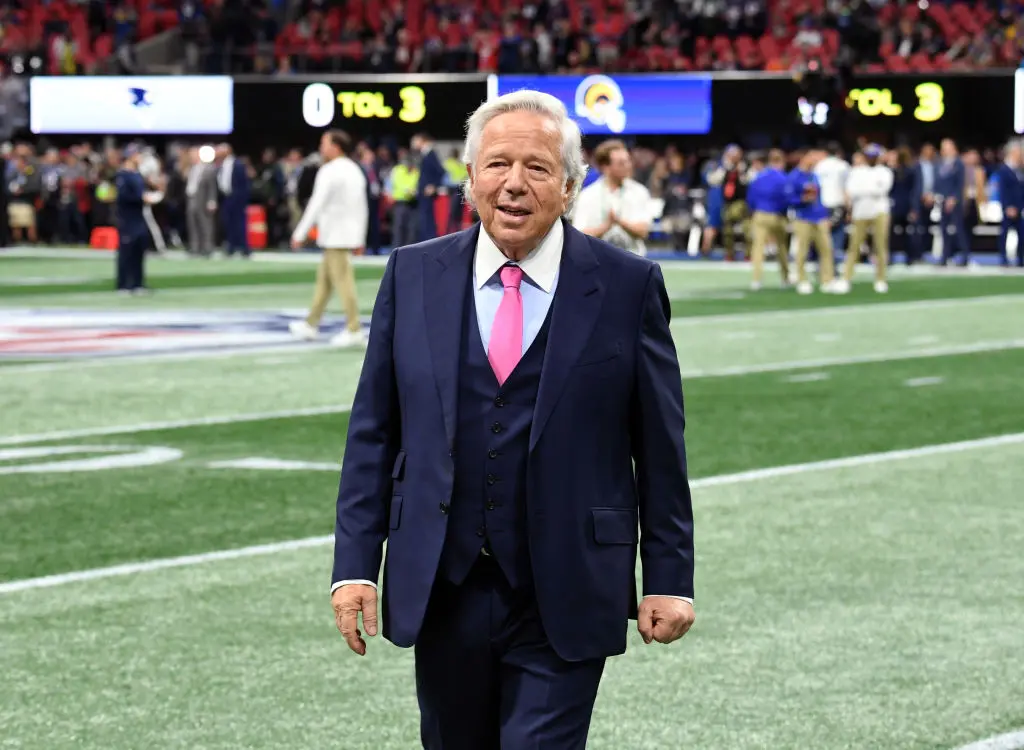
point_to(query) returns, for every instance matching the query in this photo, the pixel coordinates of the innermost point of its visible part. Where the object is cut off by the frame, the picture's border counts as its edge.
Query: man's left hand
(296, 244)
(664, 618)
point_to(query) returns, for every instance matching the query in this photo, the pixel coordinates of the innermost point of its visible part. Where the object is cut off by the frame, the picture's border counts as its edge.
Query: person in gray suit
(201, 207)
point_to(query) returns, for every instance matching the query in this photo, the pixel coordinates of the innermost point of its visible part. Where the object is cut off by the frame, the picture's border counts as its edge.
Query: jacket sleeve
(916, 187)
(374, 435)
(659, 452)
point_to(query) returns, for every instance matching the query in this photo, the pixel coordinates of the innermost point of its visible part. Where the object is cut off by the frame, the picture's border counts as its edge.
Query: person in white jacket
(867, 187)
(339, 210)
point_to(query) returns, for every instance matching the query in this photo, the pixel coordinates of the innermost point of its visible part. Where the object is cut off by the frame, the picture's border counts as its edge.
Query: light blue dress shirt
(540, 279)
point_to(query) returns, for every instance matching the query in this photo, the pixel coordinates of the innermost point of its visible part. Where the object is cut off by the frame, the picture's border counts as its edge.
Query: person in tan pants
(339, 208)
(811, 224)
(768, 198)
(867, 188)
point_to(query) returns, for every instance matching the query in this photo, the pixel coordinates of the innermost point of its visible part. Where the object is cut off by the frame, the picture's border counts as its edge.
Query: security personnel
(1011, 197)
(949, 190)
(455, 176)
(133, 232)
(812, 223)
(768, 198)
(401, 187)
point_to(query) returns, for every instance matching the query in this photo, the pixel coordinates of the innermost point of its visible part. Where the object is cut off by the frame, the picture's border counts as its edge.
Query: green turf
(54, 522)
(829, 616)
(874, 606)
(259, 274)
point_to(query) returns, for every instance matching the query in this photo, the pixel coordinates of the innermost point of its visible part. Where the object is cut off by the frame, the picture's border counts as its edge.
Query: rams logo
(599, 100)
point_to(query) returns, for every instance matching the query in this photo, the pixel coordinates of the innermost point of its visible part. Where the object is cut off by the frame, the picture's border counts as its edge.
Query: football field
(168, 466)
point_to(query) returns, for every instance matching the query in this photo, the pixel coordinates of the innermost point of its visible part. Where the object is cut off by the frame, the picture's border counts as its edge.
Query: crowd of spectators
(419, 36)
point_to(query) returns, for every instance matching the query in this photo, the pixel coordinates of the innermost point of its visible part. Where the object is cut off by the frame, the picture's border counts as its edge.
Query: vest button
(491, 479)
(444, 508)
(496, 428)
(499, 402)
(490, 505)
(492, 453)
(481, 532)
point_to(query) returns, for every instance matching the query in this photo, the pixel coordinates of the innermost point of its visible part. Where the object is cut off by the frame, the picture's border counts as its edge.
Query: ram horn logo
(599, 100)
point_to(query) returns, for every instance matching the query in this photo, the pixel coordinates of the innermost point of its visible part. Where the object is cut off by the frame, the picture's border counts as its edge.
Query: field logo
(66, 334)
(599, 100)
(44, 459)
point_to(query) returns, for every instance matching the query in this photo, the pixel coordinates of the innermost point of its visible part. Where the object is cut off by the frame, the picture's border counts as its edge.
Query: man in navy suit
(432, 177)
(234, 185)
(516, 435)
(949, 187)
(1011, 197)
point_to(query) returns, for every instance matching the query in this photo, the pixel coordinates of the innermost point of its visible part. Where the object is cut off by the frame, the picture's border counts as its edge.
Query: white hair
(574, 165)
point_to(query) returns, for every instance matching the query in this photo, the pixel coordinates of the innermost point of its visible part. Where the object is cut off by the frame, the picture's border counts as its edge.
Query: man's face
(948, 149)
(1013, 156)
(928, 152)
(517, 180)
(620, 166)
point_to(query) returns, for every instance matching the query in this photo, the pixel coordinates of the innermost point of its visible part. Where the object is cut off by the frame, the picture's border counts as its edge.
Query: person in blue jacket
(949, 191)
(768, 199)
(133, 232)
(811, 223)
(1010, 188)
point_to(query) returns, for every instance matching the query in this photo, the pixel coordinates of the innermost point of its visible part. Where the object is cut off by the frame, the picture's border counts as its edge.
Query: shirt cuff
(668, 596)
(339, 584)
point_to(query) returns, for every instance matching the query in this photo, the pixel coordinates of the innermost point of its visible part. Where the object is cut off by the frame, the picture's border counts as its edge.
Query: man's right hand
(348, 601)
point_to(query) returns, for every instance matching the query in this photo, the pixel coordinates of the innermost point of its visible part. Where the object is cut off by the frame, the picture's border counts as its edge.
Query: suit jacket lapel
(446, 276)
(573, 315)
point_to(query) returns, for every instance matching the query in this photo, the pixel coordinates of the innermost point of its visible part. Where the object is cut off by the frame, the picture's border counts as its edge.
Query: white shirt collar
(540, 266)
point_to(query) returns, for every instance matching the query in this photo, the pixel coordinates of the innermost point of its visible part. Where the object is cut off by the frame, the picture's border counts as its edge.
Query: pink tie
(506, 345)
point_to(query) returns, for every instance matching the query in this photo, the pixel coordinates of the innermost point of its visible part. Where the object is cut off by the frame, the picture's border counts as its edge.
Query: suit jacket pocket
(395, 516)
(615, 526)
(598, 355)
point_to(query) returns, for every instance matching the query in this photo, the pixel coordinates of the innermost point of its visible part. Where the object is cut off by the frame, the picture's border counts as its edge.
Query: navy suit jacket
(610, 394)
(1011, 192)
(949, 180)
(238, 198)
(431, 173)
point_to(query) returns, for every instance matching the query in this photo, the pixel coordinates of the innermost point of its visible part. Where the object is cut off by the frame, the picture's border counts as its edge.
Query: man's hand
(612, 218)
(664, 618)
(348, 601)
(296, 244)
(1011, 212)
(950, 204)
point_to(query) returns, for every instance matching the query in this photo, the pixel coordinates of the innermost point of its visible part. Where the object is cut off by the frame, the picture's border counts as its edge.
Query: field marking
(921, 382)
(799, 364)
(258, 463)
(825, 338)
(132, 429)
(921, 304)
(1008, 741)
(923, 340)
(807, 377)
(753, 475)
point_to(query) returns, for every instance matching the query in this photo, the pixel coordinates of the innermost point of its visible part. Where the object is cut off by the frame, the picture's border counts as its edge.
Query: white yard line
(886, 307)
(1008, 741)
(132, 429)
(148, 566)
(798, 364)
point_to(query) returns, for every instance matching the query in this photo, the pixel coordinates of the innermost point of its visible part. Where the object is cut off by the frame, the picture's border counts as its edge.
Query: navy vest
(488, 510)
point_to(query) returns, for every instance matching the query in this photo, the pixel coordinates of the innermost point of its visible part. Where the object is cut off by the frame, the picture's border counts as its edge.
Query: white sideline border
(148, 566)
(1008, 741)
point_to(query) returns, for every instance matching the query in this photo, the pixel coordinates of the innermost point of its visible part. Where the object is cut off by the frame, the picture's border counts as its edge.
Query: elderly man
(516, 432)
